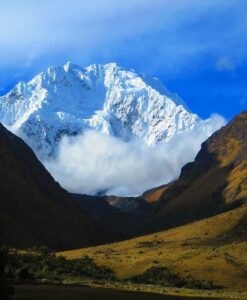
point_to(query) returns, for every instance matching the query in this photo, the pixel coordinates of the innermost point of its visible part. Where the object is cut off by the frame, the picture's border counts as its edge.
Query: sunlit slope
(215, 182)
(213, 249)
(209, 198)
(154, 194)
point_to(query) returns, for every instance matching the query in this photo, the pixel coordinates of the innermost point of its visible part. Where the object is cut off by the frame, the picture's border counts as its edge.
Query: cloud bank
(198, 48)
(95, 162)
(126, 31)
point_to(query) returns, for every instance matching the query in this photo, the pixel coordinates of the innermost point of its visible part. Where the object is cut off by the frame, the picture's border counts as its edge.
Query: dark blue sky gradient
(197, 48)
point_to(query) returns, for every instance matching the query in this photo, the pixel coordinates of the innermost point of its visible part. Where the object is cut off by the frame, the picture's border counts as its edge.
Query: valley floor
(202, 253)
(40, 292)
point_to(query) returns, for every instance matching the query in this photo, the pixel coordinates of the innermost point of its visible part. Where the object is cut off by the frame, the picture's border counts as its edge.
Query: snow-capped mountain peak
(68, 99)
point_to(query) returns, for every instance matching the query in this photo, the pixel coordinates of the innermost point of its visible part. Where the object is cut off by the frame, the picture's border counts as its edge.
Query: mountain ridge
(69, 99)
(34, 209)
(215, 182)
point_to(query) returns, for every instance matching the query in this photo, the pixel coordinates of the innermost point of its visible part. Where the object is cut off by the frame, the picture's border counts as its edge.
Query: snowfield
(105, 128)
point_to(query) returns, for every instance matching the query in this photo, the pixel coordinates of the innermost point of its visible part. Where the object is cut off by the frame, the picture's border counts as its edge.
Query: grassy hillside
(153, 195)
(212, 251)
(215, 182)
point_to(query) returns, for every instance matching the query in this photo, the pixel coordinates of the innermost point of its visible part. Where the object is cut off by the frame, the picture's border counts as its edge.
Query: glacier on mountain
(66, 100)
(105, 128)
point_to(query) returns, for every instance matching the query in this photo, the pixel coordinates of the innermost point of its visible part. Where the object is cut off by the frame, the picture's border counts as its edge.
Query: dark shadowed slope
(34, 209)
(215, 182)
(120, 217)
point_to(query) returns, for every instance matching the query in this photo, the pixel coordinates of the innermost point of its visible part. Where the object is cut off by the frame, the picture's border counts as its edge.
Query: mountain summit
(66, 100)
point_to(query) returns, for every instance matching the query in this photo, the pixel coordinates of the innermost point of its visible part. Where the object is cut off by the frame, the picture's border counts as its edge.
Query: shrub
(164, 276)
(159, 275)
(45, 265)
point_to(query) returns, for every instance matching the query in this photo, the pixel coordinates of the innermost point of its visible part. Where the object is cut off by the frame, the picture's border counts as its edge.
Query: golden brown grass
(200, 250)
(237, 183)
(154, 194)
(212, 249)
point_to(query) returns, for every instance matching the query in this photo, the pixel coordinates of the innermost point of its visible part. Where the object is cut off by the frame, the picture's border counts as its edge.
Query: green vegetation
(165, 277)
(151, 244)
(41, 263)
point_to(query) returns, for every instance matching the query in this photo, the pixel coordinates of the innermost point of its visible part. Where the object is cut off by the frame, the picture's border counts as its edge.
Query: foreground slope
(34, 209)
(212, 250)
(215, 182)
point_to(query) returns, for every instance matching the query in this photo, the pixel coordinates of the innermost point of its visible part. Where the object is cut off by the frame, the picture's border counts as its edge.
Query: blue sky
(197, 48)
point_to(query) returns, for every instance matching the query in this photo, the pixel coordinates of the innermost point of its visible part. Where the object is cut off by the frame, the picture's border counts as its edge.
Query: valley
(186, 238)
(204, 254)
(84, 293)
(123, 150)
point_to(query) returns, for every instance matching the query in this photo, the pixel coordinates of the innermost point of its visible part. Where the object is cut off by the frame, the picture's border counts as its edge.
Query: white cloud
(166, 34)
(96, 162)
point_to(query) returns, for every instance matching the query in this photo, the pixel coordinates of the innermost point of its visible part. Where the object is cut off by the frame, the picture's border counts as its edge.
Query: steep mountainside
(69, 99)
(209, 200)
(154, 194)
(34, 209)
(216, 181)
